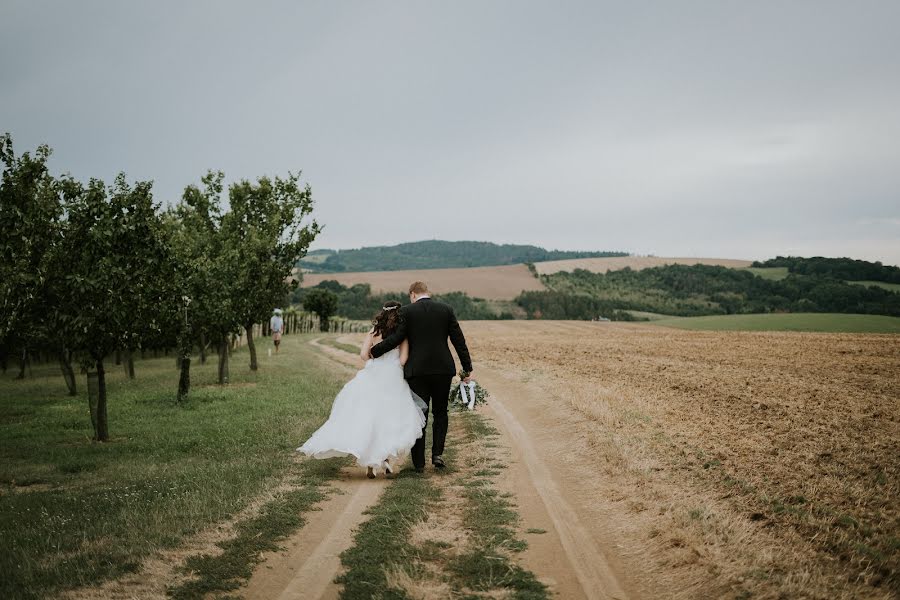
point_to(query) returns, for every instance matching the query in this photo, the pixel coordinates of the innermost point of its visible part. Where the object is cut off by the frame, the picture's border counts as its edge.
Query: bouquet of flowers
(467, 395)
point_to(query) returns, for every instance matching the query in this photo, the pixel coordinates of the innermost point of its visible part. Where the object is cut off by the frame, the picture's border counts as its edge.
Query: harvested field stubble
(739, 464)
(614, 263)
(493, 283)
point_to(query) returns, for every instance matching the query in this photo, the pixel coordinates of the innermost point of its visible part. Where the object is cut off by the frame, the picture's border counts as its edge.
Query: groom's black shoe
(438, 462)
(420, 469)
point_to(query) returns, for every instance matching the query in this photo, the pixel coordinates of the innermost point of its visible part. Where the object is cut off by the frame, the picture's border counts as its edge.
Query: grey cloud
(709, 128)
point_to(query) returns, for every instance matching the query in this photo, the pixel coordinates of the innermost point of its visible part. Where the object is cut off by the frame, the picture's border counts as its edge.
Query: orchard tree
(207, 264)
(322, 302)
(270, 228)
(235, 266)
(30, 231)
(118, 275)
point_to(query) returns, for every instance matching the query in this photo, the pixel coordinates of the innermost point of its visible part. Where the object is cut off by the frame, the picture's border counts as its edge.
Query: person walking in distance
(276, 324)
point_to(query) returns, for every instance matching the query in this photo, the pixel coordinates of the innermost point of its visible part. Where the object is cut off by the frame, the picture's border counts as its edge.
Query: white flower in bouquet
(467, 395)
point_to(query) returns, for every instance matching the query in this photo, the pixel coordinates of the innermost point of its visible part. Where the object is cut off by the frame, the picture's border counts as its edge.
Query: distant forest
(695, 290)
(435, 254)
(358, 302)
(836, 268)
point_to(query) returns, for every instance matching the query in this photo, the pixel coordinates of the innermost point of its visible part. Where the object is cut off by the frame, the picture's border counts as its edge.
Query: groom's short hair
(418, 287)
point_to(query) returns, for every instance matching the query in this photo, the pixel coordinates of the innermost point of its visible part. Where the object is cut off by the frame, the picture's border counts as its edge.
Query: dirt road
(310, 560)
(573, 557)
(566, 548)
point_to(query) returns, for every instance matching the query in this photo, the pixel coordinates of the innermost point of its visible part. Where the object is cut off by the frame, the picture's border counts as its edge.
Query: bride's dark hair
(387, 320)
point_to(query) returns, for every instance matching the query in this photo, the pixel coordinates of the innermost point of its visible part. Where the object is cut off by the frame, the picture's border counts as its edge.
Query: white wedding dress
(374, 417)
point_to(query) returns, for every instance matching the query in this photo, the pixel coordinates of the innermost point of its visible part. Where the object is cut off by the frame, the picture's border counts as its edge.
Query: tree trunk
(129, 364)
(118, 357)
(252, 347)
(184, 382)
(202, 349)
(65, 364)
(23, 364)
(102, 428)
(223, 361)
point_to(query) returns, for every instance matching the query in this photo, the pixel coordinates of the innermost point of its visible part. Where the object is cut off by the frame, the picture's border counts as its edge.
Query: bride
(375, 417)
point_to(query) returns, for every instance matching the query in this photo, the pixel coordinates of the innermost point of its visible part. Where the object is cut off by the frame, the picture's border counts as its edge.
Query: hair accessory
(389, 307)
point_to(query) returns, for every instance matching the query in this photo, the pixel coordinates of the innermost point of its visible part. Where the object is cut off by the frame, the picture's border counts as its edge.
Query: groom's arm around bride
(427, 324)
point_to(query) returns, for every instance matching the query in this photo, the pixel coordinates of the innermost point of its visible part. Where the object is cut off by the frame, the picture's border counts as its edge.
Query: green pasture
(891, 287)
(824, 322)
(74, 512)
(647, 316)
(774, 273)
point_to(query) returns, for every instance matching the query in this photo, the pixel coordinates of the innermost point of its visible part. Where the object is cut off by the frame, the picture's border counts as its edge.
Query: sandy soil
(574, 557)
(712, 463)
(492, 283)
(310, 559)
(613, 263)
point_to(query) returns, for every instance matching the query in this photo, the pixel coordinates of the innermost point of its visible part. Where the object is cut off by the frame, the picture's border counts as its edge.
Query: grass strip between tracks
(440, 533)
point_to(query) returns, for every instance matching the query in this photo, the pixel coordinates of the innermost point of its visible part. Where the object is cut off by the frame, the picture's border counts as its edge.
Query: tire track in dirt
(568, 558)
(310, 559)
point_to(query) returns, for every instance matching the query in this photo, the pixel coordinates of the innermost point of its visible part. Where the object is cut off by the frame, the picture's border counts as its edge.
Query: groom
(429, 369)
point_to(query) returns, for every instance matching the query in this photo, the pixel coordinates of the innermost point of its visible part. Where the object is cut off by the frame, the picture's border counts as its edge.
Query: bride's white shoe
(387, 468)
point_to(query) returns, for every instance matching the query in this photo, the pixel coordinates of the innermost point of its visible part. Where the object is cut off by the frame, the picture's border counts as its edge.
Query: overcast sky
(719, 128)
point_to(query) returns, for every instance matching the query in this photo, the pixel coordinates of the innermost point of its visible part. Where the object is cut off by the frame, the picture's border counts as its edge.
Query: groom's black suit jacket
(427, 324)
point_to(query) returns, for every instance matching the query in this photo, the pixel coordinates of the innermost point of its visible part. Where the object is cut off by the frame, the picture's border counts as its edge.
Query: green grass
(891, 287)
(823, 322)
(74, 512)
(773, 273)
(225, 571)
(492, 521)
(332, 341)
(485, 566)
(647, 316)
(383, 540)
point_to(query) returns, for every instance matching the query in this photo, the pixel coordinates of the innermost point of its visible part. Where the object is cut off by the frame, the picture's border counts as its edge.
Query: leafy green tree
(30, 214)
(269, 228)
(323, 303)
(206, 265)
(117, 276)
(235, 266)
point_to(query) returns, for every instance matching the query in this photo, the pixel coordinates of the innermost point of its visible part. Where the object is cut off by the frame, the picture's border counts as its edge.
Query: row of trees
(330, 297)
(87, 269)
(436, 254)
(835, 268)
(696, 290)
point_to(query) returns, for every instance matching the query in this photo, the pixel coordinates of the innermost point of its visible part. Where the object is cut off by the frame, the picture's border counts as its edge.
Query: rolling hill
(434, 254)
(604, 264)
(491, 283)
